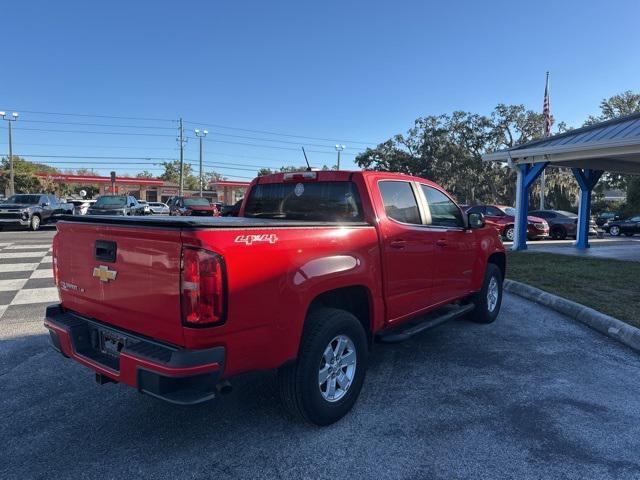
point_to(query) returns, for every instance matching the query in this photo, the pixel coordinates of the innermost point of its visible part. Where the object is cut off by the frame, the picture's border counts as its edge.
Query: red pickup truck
(317, 267)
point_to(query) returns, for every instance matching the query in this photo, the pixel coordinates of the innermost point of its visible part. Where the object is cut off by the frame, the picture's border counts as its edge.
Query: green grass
(609, 286)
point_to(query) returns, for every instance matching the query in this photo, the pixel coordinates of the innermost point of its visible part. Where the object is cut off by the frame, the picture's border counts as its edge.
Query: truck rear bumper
(170, 373)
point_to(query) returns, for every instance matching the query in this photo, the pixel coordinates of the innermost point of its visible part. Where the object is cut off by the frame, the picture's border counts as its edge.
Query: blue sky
(337, 70)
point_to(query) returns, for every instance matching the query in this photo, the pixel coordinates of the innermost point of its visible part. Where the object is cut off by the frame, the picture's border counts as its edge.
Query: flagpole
(546, 134)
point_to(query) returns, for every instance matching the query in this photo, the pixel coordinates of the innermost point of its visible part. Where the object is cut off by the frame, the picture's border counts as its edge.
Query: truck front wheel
(324, 383)
(34, 224)
(489, 298)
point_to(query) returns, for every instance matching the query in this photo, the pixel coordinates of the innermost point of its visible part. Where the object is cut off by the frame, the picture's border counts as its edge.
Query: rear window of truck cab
(316, 201)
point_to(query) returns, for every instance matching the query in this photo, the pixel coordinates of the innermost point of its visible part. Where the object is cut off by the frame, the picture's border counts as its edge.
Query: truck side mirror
(475, 220)
(45, 204)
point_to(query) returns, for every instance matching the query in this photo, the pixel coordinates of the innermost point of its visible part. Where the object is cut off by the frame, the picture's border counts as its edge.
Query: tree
(145, 174)
(191, 181)
(448, 149)
(632, 205)
(619, 105)
(24, 179)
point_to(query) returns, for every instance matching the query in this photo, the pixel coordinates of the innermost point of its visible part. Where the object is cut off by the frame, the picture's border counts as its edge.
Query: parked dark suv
(116, 205)
(32, 210)
(562, 224)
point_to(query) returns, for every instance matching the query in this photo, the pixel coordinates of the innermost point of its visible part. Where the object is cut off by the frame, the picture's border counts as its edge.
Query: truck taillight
(202, 288)
(54, 261)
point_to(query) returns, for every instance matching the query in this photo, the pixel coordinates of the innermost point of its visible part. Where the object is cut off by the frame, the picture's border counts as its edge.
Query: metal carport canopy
(611, 146)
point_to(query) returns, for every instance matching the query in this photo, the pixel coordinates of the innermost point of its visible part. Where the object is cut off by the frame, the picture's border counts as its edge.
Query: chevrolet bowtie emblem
(104, 274)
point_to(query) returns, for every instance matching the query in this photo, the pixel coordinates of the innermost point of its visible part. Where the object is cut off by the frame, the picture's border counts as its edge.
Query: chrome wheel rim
(614, 231)
(35, 223)
(509, 234)
(492, 294)
(337, 368)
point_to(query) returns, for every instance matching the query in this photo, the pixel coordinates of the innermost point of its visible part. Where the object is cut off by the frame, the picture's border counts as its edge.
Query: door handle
(398, 244)
(441, 243)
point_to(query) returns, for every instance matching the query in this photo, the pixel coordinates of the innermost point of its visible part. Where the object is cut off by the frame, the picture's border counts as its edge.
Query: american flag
(546, 112)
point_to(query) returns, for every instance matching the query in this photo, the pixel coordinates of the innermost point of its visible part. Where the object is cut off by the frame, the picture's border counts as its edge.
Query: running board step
(430, 321)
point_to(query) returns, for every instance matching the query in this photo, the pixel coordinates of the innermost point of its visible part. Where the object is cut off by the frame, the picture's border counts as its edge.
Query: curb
(610, 326)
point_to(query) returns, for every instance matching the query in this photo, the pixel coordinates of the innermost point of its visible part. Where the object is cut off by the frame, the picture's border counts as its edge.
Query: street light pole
(11, 119)
(339, 149)
(201, 135)
(181, 141)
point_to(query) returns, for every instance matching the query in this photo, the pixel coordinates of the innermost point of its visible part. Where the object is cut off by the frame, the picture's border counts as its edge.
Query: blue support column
(527, 174)
(587, 179)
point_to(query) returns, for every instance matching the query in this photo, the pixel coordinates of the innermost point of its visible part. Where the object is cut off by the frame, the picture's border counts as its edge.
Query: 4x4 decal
(251, 239)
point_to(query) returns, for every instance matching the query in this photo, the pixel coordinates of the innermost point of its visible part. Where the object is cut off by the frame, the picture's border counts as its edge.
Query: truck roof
(341, 176)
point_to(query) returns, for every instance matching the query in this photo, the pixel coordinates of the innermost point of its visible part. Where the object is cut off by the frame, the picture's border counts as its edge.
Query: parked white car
(159, 208)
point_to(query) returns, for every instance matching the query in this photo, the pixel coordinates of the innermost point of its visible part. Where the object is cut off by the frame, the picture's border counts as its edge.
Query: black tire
(558, 233)
(298, 383)
(482, 312)
(34, 223)
(509, 233)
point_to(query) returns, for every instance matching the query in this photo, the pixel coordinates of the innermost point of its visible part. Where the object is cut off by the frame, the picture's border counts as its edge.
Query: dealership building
(151, 190)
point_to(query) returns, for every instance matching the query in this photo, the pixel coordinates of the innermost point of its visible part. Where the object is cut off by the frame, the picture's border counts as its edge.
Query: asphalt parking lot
(530, 396)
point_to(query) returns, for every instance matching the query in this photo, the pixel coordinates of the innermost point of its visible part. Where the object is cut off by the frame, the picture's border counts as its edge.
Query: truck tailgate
(137, 289)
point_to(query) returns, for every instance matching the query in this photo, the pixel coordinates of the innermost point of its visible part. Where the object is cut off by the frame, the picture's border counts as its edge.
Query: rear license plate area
(110, 343)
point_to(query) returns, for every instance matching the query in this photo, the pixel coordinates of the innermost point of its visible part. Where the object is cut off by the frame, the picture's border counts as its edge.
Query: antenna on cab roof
(306, 160)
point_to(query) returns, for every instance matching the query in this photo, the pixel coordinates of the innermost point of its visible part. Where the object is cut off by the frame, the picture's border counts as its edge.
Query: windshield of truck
(110, 202)
(196, 202)
(24, 199)
(316, 201)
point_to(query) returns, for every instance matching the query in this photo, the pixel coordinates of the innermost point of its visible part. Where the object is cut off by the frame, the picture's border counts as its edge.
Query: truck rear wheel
(489, 298)
(324, 383)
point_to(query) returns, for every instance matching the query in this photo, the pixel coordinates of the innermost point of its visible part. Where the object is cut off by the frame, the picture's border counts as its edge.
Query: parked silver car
(159, 208)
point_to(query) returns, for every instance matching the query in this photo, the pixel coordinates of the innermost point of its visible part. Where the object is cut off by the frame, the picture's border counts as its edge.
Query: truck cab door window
(444, 213)
(399, 202)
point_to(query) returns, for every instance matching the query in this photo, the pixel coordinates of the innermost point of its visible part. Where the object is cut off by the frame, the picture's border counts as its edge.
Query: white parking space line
(17, 267)
(47, 259)
(9, 285)
(38, 253)
(39, 246)
(36, 295)
(42, 274)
